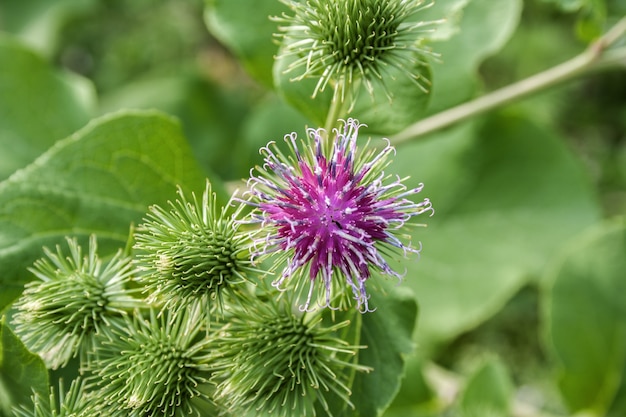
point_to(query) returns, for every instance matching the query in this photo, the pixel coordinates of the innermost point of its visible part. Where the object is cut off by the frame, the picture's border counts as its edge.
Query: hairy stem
(596, 57)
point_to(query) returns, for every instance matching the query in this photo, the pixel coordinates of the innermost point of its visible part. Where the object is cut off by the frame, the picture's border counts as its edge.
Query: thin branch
(596, 56)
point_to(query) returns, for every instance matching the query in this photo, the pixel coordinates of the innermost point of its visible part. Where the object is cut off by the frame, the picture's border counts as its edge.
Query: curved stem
(593, 58)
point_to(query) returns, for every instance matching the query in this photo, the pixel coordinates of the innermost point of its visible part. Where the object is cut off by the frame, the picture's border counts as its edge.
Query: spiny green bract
(270, 359)
(192, 254)
(72, 300)
(155, 365)
(73, 403)
(343, 42)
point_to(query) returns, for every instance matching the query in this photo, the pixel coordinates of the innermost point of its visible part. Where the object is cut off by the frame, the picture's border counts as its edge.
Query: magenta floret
(330, 211)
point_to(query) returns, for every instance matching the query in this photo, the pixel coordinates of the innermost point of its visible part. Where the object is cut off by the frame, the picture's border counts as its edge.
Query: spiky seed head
(277, 362)
(344, 42)
(71, 301)
(193, 253)
(155, 365)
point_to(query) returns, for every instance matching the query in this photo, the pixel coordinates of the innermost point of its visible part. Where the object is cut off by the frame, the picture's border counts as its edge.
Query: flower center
(367, 33)
(331, 215)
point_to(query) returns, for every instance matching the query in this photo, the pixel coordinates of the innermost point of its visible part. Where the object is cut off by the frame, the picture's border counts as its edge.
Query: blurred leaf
(211, 116)
(416, 396)
(269, 120)
(448, 14)
(299, 93)
(484, 27)
(590, 25)
(488, 392)
(387, 333)
(407, 105)
(245, 27)
(506, 198)
(569, 5)
(38, 22)
(99, 180)
(21, 373)
(38, 105)
(585, 314)
(618, 408)
(591, 16)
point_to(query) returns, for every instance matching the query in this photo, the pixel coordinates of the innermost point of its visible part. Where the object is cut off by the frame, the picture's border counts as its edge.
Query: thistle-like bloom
(73, 403)
(155, 366)
(344, 41)
(332, 213)
(270, 360)
(193, 254)
(72, 300)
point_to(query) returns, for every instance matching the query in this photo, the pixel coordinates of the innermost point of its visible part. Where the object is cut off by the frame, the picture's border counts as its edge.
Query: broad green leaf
(211, 117)
(38, 105)
(416, 397)
(21, 373)
(506, 197)
(484, 26)
(245, 27)
(388, 334)
(99, 180)
(585, 314)
(487, 392)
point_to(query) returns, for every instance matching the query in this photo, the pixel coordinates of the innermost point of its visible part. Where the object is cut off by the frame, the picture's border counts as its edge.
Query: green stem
(357, 341)
(340, 104)
(334, 110)
(595, 57)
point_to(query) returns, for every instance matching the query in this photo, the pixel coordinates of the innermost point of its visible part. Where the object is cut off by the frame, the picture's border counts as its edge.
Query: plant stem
(595, 57)
(335, 108)
(341, 103)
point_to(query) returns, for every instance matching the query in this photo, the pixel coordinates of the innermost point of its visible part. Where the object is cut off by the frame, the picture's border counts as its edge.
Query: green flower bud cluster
(183, 325)
(183, 322)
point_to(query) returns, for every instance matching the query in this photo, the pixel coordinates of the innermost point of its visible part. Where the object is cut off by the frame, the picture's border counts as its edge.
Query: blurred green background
(522, 277)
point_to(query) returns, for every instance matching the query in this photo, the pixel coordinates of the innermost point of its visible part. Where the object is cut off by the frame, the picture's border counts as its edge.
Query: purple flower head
(331, 213)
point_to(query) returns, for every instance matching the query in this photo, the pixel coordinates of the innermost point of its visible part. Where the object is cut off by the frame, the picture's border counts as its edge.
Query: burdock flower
(332, 214)
(270, 360)
(71, 301)
(193, 253)
(345, 41)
